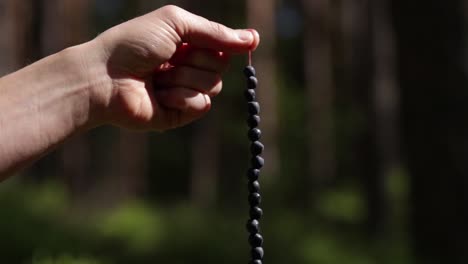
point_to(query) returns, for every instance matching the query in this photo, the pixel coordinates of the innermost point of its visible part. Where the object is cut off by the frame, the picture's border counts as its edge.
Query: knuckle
(173, 14)
(171, 10)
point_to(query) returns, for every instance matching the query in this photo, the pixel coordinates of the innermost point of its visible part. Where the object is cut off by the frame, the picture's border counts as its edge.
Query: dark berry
(256, 240)
(252, 82)
(256, 212)
(254, 186)
(253, 226)
(253, 108)
(255, 199)
(249, 95)
(256, 148)
(257, 253)
(249, 71)
(255, 261)
(253, 174)
(257, 162)
(254, 134)
(253, 121)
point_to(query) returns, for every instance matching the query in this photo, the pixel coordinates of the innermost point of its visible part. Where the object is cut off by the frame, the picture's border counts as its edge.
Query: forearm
(42, 105)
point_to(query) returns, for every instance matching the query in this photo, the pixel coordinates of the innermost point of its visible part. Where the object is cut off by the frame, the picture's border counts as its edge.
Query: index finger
(203, 33)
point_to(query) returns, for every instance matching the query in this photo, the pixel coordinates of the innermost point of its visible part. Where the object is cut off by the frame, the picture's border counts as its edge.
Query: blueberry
(257, 253)
(254, 186)
(253, 121)
(254, 134)
(256, 148)
(252, 82)
(256, 212)
(249, 95)
(255, 199)
(256, 240)
(253, 226)
(253, 174)
(253, 108)
(257, 162)
(249, 71)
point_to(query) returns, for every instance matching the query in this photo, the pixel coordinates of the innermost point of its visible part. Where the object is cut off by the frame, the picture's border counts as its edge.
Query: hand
(161, 69)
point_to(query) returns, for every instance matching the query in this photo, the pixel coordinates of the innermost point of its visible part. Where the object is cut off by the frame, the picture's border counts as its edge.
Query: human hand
(159, 71)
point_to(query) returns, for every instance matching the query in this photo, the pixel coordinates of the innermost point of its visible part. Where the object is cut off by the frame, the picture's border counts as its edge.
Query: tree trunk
(369, 63)
(434, 99)
(9, 61)
(205, 162)
(363, 79)
(18, 24)
(132, 164)
(318, 69)
(384, 98)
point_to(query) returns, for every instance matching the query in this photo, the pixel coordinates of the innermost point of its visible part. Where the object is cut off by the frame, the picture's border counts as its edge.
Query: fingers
(198, 69)
(183, 99)
(203, 33)
(199, 80)
(184, 89)
(181, 106)
(204, 59)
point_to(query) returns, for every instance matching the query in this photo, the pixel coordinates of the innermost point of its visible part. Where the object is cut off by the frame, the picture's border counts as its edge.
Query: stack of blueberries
(257, 162)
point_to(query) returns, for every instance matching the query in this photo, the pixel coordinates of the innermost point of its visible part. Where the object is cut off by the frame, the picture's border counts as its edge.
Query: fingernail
(245, 35)
(207, 102)
(256, 40)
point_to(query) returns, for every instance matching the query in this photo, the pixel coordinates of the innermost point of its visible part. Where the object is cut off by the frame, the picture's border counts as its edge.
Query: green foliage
(137, 232)
(135, 224)
(66, 259)
(345, 205)
(398, 185)
(324, 248)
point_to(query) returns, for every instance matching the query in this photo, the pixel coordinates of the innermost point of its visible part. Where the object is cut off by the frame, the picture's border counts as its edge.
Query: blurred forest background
(365, 122)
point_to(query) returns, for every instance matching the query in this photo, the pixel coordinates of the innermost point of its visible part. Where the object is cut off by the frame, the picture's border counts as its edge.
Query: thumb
(204, 33)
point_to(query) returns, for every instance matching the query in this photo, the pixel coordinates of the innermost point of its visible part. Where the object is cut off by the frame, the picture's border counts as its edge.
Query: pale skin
(153, 73)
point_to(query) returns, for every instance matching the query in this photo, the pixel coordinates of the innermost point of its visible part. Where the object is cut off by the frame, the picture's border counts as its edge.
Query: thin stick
(250, 58)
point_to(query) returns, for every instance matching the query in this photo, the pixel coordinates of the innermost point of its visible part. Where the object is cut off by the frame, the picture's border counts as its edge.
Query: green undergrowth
(43, 227)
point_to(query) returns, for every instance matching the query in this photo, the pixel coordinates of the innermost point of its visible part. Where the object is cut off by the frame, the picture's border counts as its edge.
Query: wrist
(90, 60)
